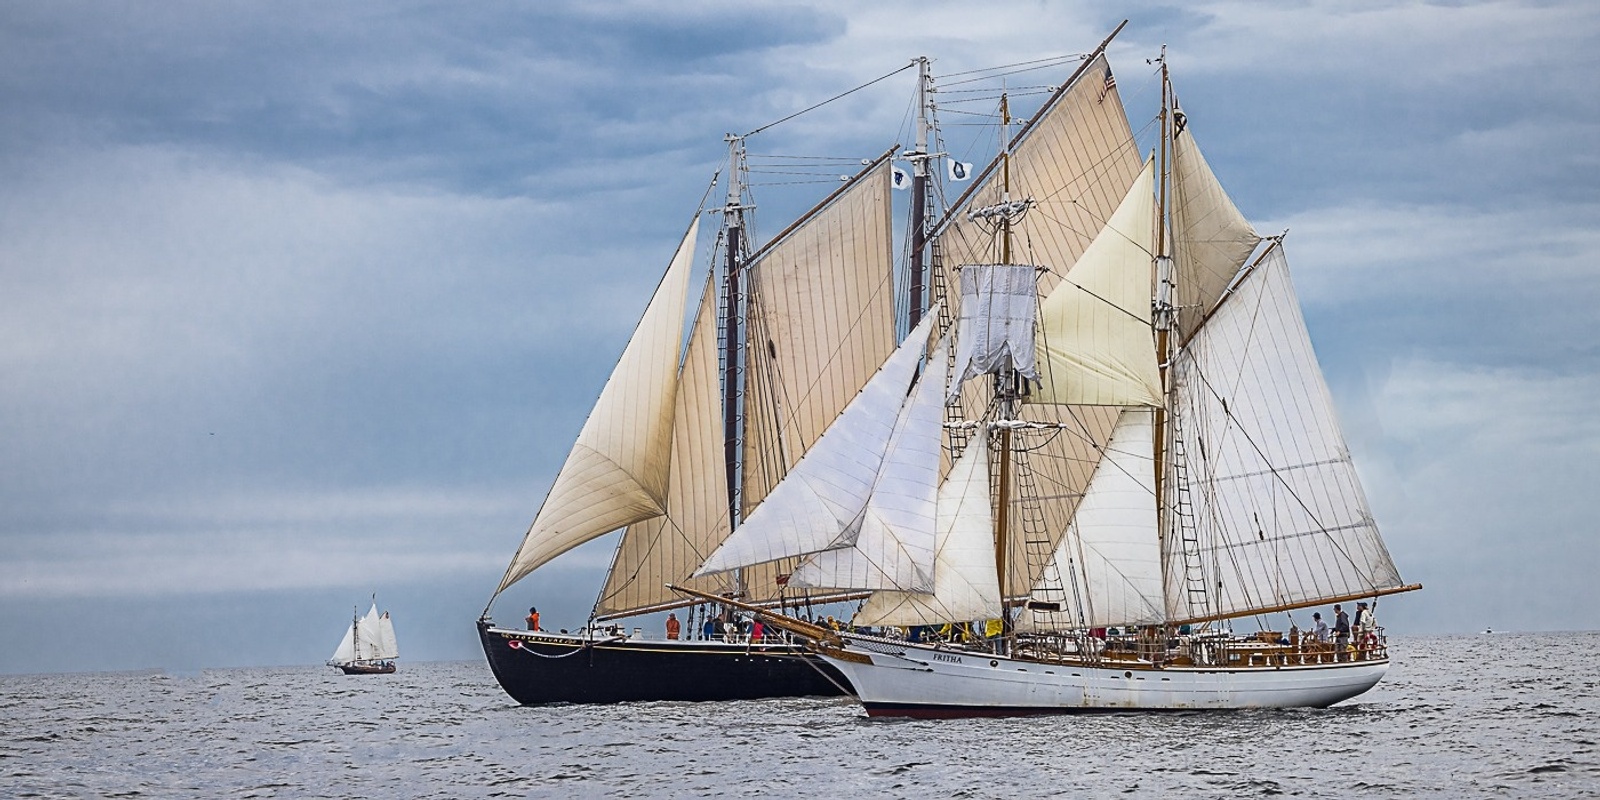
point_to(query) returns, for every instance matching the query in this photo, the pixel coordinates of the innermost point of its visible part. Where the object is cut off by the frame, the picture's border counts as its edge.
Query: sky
(304, 303)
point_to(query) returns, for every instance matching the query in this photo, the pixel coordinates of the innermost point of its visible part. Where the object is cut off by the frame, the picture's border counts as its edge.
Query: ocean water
(1502, 715)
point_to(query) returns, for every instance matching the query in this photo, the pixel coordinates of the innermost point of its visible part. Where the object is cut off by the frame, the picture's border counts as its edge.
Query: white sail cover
(965, 586)
(1279, 516)
(1095, 340)
(1211, 239)
(370, 638)
(894, 549)
(822, 502)
(998, 309)
(617, 472)
(1111, 551)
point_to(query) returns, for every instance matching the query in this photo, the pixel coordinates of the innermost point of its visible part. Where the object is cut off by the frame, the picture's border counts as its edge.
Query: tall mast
(733, 297)
(1006, 381)
(919, 198)
(1164, 311)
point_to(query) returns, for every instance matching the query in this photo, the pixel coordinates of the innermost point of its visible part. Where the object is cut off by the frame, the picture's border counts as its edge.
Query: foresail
(821, 503)
(894, 549)
(965, 586)
(1279, 516)
(821, 322)
(1095, 342)
(1107, 569)
(346, 651)
(618, 469)
(1211, 239)
(668, 548)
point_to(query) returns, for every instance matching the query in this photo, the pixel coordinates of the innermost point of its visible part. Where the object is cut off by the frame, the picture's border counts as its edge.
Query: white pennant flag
(899, 178)
(959, 170)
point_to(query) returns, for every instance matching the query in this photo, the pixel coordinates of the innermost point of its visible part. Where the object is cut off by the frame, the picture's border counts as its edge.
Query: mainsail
(1279, 517)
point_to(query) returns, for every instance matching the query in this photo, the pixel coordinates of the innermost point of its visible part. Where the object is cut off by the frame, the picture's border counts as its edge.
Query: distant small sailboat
(368, 647)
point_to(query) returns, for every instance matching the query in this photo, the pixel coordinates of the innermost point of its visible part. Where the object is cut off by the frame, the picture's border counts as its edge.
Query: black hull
(539, 668)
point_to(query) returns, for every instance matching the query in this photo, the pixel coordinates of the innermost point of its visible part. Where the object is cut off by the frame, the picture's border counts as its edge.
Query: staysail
(1211, 239)
(618, 469)
(822, 502)
(894, 548)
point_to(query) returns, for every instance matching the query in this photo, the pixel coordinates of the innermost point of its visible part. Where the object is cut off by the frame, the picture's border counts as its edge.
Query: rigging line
(1062, 59)
(996, 75)
(831, 99)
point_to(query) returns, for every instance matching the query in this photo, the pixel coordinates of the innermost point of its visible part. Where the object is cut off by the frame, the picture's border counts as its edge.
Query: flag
(899, 178)
(960, 170)
(1111, 83)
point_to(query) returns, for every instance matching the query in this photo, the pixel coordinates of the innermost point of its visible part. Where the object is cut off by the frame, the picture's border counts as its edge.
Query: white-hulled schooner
(1130, 449)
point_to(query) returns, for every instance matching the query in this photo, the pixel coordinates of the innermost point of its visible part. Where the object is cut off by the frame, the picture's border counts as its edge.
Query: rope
(831, 99)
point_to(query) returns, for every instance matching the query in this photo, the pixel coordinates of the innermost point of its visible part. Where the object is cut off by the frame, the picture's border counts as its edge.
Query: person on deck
(757, 631)
(1320, 629)
(673, 626)
(533, 619)
(709, 629)
(1341, 632)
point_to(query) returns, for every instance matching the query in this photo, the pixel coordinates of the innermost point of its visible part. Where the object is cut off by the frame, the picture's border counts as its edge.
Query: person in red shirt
(533, 619)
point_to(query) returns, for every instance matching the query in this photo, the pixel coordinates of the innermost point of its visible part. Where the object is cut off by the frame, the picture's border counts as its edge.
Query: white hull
(898, 679)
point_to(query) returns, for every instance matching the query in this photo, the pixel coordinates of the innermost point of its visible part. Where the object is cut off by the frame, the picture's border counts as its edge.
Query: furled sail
(1211, 239)
(894, 549)
(821, 322)
(1095, 342)
(1111, 554)
(965, 586)
(667, 548)
(1279, 516)
(618, 469)
(998, 304)
(822, 502)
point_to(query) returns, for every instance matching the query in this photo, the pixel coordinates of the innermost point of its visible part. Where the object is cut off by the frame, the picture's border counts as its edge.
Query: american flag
(1111, 83)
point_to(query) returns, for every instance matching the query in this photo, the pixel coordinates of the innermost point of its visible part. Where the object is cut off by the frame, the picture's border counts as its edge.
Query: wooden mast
(1164, 312)
(919, 201)
(1005, 383)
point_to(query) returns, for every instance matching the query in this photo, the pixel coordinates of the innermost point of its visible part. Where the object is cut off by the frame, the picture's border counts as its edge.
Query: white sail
(346, 651)
(1211, 239)
(821, 503)
(387, 648)
(1279, 516)
(617, 471)
(965, 586)
(998, 305)
(1111, 553)
(894, 549)
(1095, 343)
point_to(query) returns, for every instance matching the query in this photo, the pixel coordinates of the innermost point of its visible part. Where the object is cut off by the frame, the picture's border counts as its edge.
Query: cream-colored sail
(894, 549)
(965, 586)
(1076, 161)
(667, 548)
(1107, 570)
(1279, 516)
(821, 322)
(617, 472)
(1211, 239)
(1095, 345)
(822, 502)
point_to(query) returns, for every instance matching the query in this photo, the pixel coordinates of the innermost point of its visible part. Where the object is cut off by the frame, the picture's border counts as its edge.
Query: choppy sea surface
(1501, 715)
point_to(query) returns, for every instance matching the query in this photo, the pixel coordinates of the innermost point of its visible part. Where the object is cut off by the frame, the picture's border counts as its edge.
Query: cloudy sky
(300, 303)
